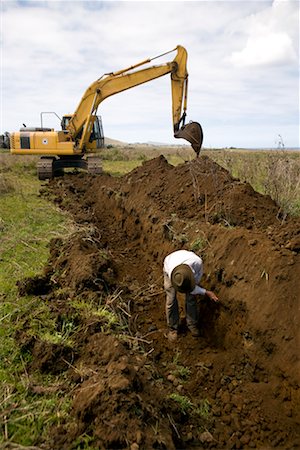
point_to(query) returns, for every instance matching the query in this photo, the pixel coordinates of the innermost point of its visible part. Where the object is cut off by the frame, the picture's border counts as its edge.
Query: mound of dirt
(82, 264)
(116, 401)
(242, 374)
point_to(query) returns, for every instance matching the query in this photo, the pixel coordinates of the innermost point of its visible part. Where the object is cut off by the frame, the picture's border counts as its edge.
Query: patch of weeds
(176, 357)
(203, 409)
(184, 403)
(223, 218)
(109, 317)
(274, 173)
(87, 308)
(92, 309)
(120, 309)
(186, 406)
(113, 154)
(113, 315)
(33, 317)
(172, 235)
(61, 336)
(83, 442)
(198, 244)
(181, 372)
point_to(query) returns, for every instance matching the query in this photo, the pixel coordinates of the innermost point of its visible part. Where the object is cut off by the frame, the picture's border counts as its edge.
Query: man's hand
(212, 296)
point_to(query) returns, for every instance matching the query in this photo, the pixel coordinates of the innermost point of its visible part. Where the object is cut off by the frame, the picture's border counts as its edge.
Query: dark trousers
(172, 311)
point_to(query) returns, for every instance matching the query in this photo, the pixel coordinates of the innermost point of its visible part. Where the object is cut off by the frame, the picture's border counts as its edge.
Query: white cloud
(272, 36)
(242, 65)
(273, 48)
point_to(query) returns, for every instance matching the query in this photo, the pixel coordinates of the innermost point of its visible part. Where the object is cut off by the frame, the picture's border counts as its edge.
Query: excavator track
(48, 167)
(45, 168)
(94, 166)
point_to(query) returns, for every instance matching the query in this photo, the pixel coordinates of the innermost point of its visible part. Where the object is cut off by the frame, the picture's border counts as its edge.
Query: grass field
(28, 222)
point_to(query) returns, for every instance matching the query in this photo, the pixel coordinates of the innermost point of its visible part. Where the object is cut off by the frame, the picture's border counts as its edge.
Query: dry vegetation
(275, 173)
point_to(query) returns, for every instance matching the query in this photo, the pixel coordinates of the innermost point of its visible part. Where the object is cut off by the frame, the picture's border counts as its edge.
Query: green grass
(182, 373)
(198, 244)
(187, 407)
(179, 370)
(26, 416)
(184, 403)
(100, 312)
(203, 409)
(27, 222)
(119, 168)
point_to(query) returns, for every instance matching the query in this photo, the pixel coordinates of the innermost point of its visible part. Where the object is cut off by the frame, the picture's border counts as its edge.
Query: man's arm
(199, 290)
(212, 296)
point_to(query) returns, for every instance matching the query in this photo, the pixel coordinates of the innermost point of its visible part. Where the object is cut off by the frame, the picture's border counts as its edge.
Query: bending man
(182, 273)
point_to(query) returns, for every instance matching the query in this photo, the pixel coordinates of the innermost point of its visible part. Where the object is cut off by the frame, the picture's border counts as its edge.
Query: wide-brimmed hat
(182, 279)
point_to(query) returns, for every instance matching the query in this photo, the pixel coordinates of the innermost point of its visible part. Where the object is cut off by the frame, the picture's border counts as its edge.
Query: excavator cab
(96, 139)
(65, 121)
(97, 134)
(191, 132)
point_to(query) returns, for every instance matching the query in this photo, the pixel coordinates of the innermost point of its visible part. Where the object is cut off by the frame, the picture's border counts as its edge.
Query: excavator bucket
(191, 132)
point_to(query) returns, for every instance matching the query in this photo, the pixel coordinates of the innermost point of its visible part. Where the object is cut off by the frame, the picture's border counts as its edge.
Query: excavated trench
(241, 375)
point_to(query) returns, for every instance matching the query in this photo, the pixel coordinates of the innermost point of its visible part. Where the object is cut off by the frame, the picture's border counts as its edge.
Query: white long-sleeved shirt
(190, 259)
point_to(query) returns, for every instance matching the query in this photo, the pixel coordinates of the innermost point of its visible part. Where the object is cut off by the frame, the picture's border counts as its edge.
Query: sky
(243, 64)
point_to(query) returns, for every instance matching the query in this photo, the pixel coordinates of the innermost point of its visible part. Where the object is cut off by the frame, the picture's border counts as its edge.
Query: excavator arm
(81, 123)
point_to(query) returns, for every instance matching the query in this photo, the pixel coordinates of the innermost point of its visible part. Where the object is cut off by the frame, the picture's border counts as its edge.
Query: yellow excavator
(82, 132)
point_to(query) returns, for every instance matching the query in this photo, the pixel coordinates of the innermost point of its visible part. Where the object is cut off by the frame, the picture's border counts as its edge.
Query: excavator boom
(113, 83)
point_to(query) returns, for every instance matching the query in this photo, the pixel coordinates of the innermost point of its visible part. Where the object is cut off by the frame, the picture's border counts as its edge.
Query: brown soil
(244, 369)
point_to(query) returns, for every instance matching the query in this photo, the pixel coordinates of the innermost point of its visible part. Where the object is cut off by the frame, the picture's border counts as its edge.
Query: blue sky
(243, 63)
